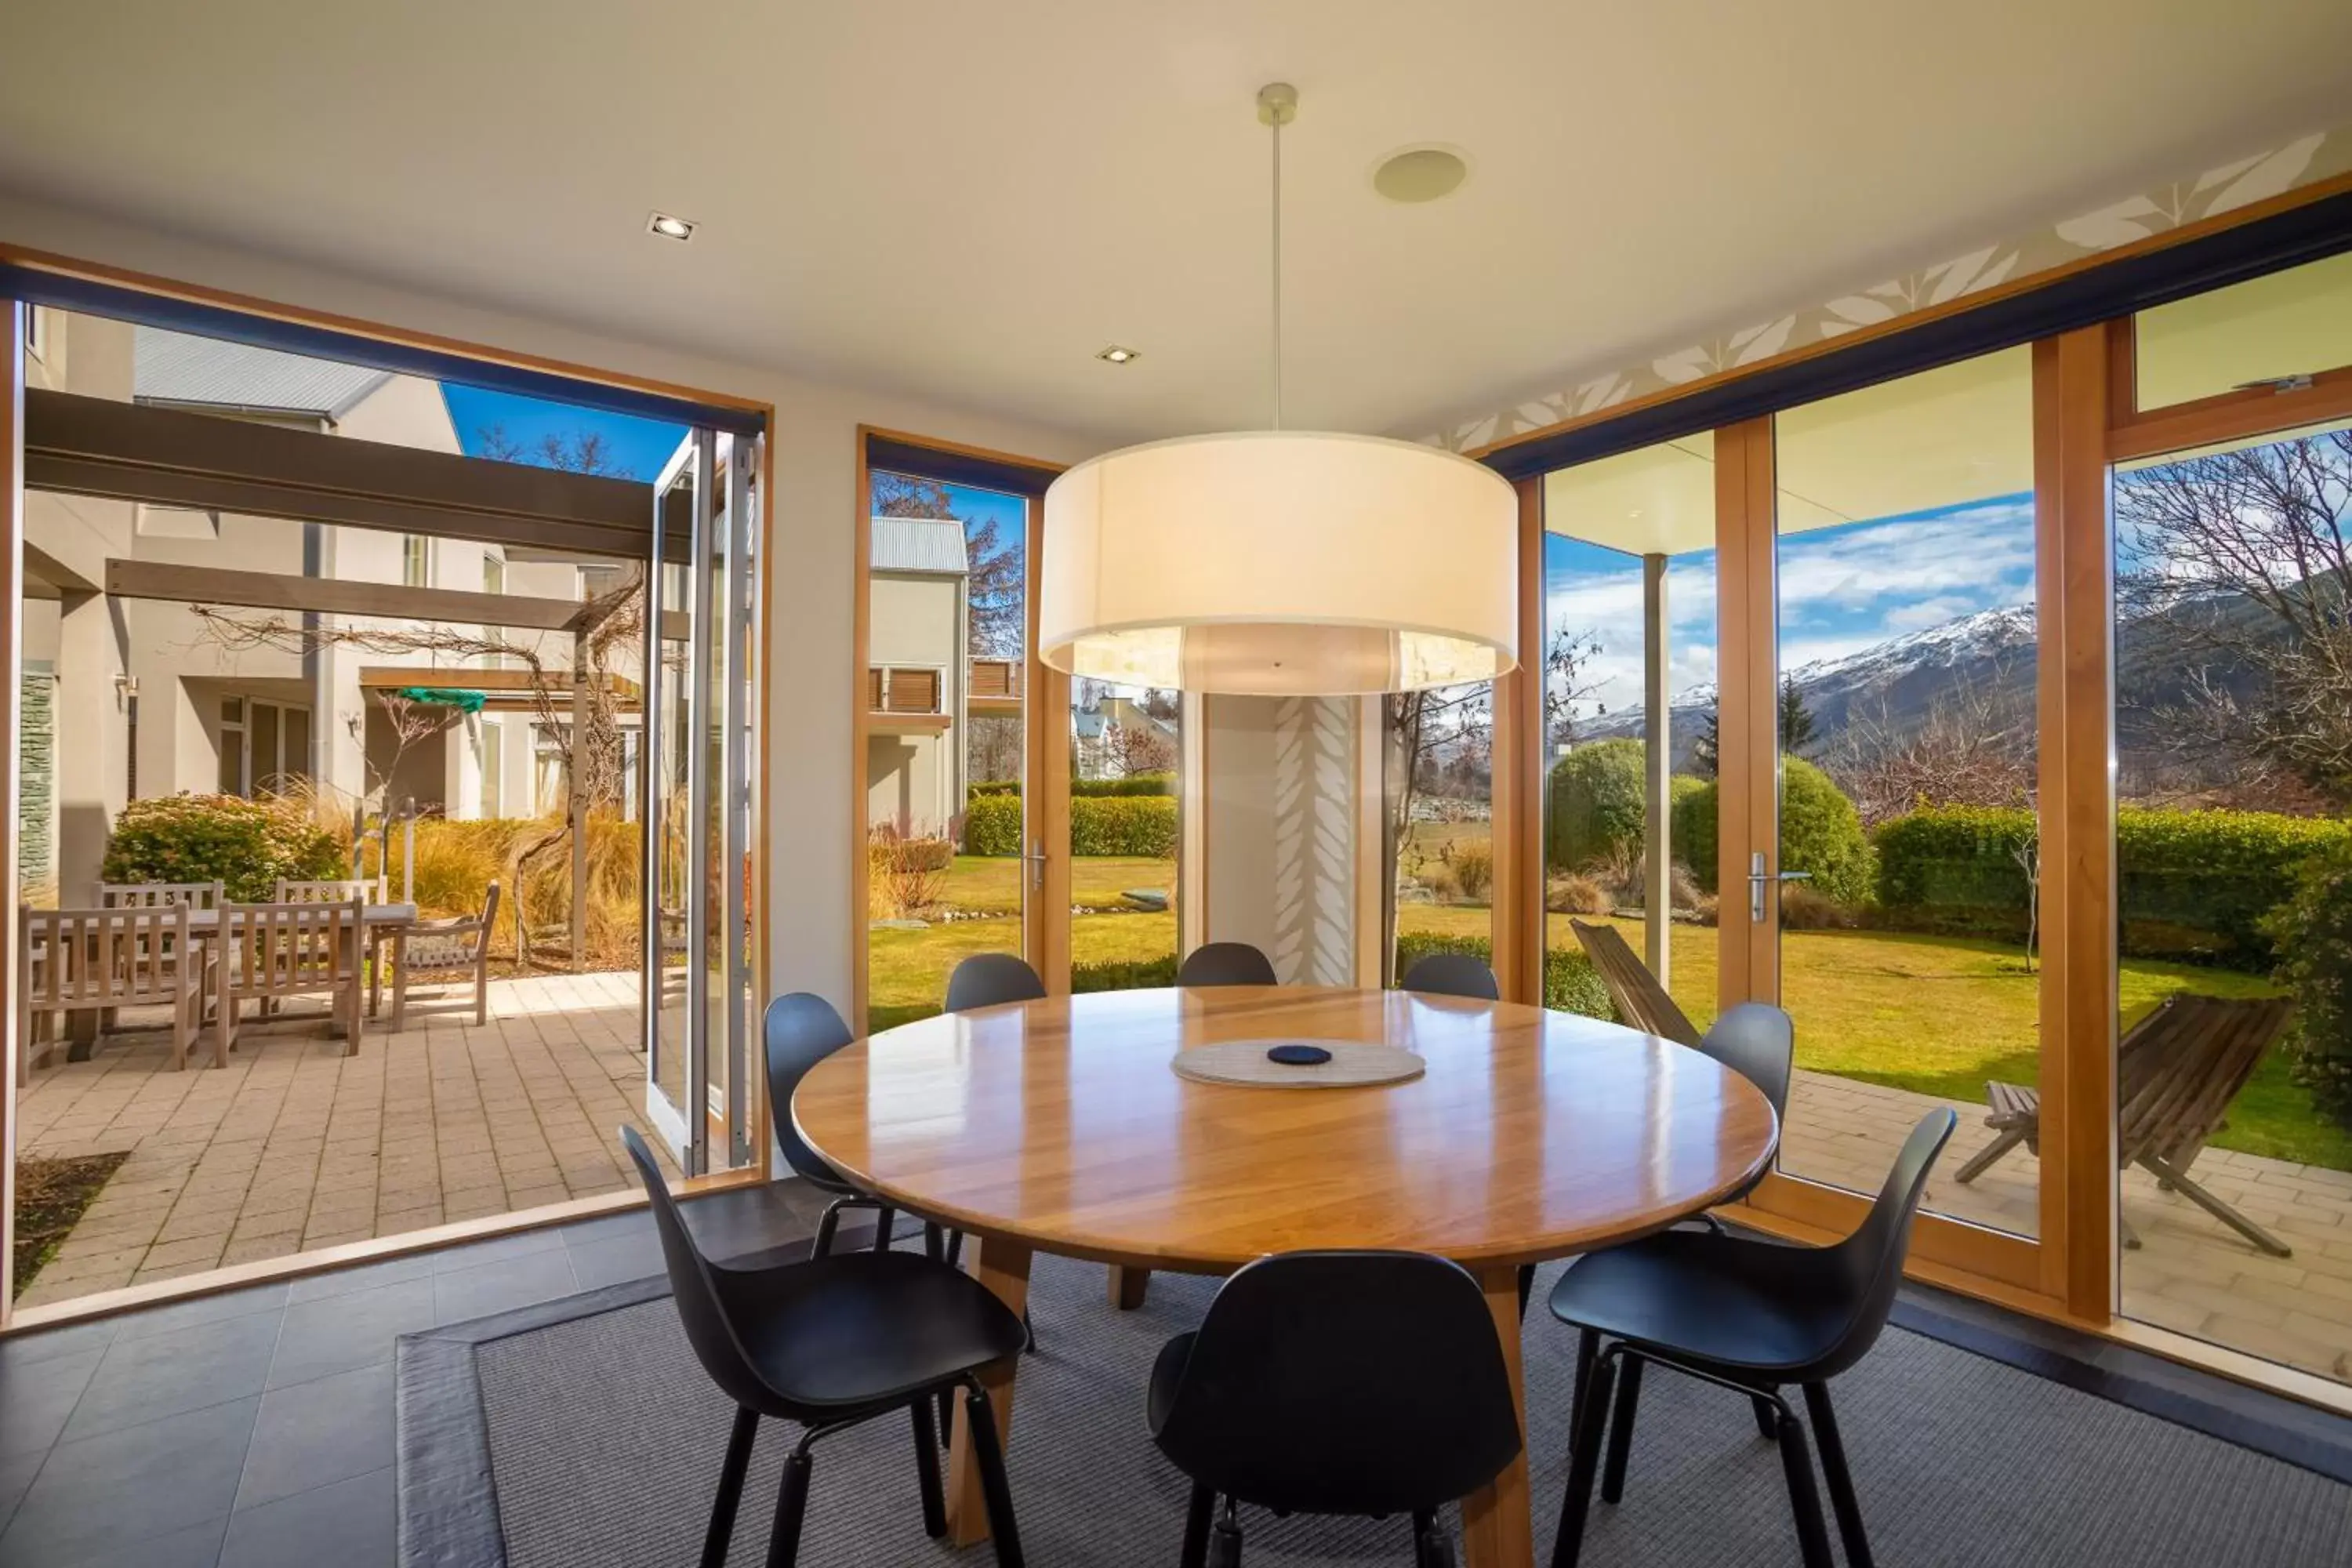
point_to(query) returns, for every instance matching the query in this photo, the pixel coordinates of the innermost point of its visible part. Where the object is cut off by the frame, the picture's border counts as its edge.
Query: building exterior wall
(915, 777)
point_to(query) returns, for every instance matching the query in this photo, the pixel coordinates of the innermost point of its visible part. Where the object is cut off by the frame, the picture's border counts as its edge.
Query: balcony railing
(991, 685)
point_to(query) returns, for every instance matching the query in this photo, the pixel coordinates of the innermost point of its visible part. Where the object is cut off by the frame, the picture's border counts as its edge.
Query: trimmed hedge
(1594, 804)
(1820, 832)
(1571, 983)
(1081, 789)
(2194, 885)
(247, 845)
(1124, 974)
(2313, 932)
(1143, 825)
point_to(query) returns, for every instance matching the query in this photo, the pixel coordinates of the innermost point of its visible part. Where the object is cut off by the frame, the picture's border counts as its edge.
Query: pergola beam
(335, 596)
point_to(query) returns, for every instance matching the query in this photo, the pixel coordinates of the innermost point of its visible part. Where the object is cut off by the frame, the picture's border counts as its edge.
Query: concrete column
(92, 733)
(1658, 774)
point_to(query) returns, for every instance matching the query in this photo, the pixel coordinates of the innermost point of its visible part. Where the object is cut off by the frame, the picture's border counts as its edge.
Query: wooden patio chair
(156, 895)
(1640, 1000)
(2177, 1070)
(438, 951)
(330, 890)
(271, 952)
(100, 960)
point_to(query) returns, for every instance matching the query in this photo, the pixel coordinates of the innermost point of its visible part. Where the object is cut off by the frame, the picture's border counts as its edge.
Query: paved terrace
(296, 1146)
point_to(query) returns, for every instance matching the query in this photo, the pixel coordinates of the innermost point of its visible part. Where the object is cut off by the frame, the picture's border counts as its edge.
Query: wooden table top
(1532, 1135)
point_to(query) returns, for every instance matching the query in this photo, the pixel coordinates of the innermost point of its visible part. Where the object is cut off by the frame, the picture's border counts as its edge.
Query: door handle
(1758, 878)
(1037, 859)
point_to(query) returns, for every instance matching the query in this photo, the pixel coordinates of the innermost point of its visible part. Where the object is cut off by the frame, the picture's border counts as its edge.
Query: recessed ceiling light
(669, 227)
(1420, 173)
(1118, 356)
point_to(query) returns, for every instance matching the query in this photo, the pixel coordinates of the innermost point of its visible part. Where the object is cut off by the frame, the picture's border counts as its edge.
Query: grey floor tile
(347, 1525)
(498, 1248)
(603, 1227)
(38, 1397)
(363, 1277)
(16, 1473)
(181, 1369)
(615, 1258)
(201, 1309)
(42, 1344)
(102, 1498)
(344, 1332)
(314, 1434)
(500, 1287)
(196, 1546)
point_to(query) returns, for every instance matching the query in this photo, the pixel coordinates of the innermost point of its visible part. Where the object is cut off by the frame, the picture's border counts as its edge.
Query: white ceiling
(966, 201)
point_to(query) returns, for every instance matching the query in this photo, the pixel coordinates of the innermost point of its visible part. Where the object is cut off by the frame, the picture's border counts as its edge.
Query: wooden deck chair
(331, 890)
(100, 960)
(2176, 1072)
(156, 895)
(1641, 1001)
(271, 952)
(436, 952)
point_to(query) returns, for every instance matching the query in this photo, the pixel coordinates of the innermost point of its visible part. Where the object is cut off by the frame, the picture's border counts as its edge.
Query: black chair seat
(1727, 1302)
(864, 1329)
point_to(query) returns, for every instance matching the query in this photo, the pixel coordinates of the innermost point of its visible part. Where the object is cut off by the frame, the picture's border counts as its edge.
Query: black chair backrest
(694, 1289)
(1757, 1041)
(803, 1029)
(1344, 1383)
(1454, 975)
(1870, 1261)
(1225, 964)
(985, 979)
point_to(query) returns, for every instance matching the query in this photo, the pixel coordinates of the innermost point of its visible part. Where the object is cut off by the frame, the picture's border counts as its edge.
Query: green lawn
(992, 883)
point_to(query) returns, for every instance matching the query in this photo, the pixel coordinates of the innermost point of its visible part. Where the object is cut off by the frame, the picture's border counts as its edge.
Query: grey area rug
(554, 1439)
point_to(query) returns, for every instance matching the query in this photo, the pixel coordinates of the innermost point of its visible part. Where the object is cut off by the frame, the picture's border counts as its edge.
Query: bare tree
(577, 452)
(1975, 746)
(2242, 561)
(1131, 749)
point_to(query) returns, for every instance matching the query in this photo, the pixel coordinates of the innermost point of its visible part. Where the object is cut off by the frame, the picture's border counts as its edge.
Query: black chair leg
(792, 1506)
(1432, 1547)
(995, 1490)
(935, 1247)
(1804, 1499)
(1197, 1514)
(1842, 1500)
(926, 1470)
(721, 1533)
(1583, 1459)
(1588, 1350)
(1767, 1418)
(884, 1221)
(1225, 1540)
(1527, 1288)
(1029, 1332)
(829, 1222)
(1620, 1432)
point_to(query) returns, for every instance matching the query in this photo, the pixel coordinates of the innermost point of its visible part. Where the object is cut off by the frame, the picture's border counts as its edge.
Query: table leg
(1003, 1267)
(1497, 1526)
(1127, 1287)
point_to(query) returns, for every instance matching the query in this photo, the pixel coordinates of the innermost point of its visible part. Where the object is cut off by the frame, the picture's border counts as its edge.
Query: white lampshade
(1280, 563)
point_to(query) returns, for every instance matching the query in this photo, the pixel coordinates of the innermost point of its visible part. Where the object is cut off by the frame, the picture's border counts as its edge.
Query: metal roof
(919, 544)
(174, 368)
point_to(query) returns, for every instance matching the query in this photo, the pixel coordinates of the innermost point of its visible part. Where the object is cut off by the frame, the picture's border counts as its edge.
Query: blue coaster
(1298, 1056)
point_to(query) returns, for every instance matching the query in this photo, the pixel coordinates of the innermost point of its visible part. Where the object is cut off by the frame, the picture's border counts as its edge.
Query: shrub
(991, 786)
(1472, 860)
(1124, 974)
(1958, 864)
(1122, 825)
(1438, 877)
(456, 861)
(1820, 832)
(2313, 933)
(1082, 789)
(1802, 908)
(992, 824)
(1593, 804)
(1570, 984)
(1575, 894)
(1692, 815)
(246, 845)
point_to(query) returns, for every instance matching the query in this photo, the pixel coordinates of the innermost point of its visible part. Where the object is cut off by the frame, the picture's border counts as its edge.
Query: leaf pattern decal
(2267, 177)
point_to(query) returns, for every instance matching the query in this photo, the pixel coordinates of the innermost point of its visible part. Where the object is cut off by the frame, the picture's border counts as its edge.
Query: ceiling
(966, 202)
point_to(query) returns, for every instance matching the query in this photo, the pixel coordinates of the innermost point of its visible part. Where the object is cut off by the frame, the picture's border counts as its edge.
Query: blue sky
(1842, 589)
(1010, 513)
(639, 445)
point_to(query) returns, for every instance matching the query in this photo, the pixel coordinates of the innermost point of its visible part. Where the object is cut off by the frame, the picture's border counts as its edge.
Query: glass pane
(232, 760)
(1906, 724)
(1440, 831)
(266, 774)
(2233, 744)
(1630, 707)
(2296, 322)
(298, 745)
(1127, 746)
(948, 616)
(671, 829)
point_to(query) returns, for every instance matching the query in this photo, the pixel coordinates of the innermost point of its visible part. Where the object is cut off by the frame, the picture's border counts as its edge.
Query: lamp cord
(1277, 273)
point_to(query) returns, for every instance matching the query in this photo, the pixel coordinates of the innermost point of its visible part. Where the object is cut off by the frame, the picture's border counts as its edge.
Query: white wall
(811, 684)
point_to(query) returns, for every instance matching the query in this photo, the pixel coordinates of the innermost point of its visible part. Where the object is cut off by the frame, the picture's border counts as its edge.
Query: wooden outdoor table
(1059, 1126)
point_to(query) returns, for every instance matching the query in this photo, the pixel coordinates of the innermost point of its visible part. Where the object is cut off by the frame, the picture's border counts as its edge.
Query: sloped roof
(919, 544)
(174, 368)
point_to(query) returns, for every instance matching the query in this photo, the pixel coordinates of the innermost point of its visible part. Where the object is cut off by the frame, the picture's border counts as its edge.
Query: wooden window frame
(12, 316)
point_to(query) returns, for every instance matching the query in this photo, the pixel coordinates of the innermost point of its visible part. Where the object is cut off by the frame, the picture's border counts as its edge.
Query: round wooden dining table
(1061, 1126)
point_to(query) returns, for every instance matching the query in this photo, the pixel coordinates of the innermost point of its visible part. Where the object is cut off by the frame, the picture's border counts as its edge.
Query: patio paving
(295, 1146)
(2191, 1274)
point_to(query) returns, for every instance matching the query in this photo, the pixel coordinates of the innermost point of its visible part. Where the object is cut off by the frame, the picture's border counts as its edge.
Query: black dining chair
(830, 1344)
(1452, 974)
(802, 1030)
(1758, 1042)
(1342, 1382)
(1225, 964)
(1747, 1315)
(987, 979)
